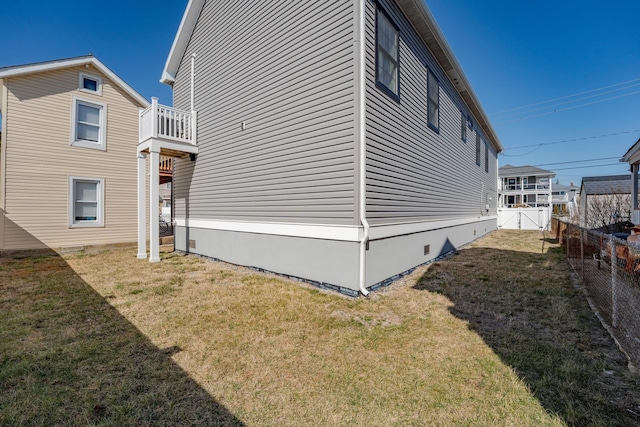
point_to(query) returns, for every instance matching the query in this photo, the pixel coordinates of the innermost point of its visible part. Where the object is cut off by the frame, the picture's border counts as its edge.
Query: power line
(571, 101)
(577, 161)
(565, 97)
(574, 139)
(569, 108)
(588, 166)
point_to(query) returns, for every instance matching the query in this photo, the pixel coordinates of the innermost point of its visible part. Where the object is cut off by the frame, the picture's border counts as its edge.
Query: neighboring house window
(89, 124)
(486, 156)
(86, 202)
(433, 100)
(89, 83)
(463, 127)
(478, 150)
(387, 55)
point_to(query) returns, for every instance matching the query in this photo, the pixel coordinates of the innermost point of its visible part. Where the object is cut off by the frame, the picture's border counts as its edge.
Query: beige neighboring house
(67, 173)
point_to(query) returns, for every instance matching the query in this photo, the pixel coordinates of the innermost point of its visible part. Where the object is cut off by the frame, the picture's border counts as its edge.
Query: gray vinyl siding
(285, 69)
(413, 172)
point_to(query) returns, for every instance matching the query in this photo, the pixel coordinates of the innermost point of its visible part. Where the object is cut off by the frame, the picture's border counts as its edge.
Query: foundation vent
(192, 244)
(427, 249)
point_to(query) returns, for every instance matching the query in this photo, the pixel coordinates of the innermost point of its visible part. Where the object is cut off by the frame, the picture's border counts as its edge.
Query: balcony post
(142, 211)
(154, 117)
(194, 127)
(154, 212)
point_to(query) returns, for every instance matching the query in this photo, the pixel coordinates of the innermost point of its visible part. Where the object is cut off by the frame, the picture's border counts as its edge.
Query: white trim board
(347, 233)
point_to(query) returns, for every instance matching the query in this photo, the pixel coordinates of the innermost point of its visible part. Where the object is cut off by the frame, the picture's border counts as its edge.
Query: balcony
(525, 187)
(167, 130)
(560, 199)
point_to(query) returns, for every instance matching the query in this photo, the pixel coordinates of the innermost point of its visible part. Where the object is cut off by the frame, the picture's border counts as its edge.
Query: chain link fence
(609, 267)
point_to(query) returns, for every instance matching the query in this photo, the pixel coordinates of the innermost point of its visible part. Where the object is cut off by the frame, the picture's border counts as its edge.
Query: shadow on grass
(526, 309)
(67, 357)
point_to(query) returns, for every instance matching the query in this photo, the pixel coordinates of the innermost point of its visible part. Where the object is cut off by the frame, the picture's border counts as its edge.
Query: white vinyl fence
(524, 218)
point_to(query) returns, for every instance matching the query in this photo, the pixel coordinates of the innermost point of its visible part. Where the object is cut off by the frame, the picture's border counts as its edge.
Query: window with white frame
(86, 202)
(463, 127)
(478, 152)
(89, 83)
(89, 124)
(387, 55)
(433, 100)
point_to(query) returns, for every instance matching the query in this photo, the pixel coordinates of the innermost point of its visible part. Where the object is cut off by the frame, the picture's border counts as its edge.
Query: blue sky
(514, 53)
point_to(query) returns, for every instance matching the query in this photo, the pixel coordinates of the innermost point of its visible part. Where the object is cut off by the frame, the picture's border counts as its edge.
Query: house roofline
(423, 23)
(180, 42)
(427, 28)
(632, 153)
(41, 67)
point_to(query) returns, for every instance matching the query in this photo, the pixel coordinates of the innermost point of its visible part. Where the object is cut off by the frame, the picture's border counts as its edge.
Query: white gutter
(360, 120)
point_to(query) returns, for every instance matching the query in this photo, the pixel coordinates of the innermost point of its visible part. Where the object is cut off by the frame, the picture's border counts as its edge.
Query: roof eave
(632, 155)
(180, 42)
(425, 25)
(423, 22)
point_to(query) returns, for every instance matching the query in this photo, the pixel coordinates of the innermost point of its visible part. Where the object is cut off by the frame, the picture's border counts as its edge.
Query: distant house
(632, 156)
(562, 197)
(67, 178)
(340, 143)
(605, 200)
(525, 186)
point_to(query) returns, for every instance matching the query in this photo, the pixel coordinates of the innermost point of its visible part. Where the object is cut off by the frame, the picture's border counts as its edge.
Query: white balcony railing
(160, 121)
(560, 199)
(519, 187)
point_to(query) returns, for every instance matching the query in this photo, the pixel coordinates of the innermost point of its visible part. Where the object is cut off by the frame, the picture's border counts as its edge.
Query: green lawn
(494, 336)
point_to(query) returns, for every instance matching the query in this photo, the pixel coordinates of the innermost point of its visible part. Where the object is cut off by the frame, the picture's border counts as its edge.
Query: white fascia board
(187, 25)
(74, 62)
(156, 145)
(633, 154)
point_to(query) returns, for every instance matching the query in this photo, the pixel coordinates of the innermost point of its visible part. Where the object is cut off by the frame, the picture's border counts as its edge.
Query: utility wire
(569, 102)
(564, 97)
(573, 140)
(569, 108)
(588, 166)
(577, 161)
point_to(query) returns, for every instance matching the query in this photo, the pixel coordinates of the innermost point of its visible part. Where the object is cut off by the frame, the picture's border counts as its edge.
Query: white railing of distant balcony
(560, 199)
(160, 121)
(518, 187)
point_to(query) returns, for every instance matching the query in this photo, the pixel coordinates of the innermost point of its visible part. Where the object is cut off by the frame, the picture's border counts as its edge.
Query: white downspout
(360, 120)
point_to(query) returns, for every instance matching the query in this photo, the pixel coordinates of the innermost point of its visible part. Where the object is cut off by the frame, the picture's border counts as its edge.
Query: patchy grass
(493, 336)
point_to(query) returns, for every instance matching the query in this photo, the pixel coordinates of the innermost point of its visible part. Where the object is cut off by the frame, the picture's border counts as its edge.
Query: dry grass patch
(257, 349)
